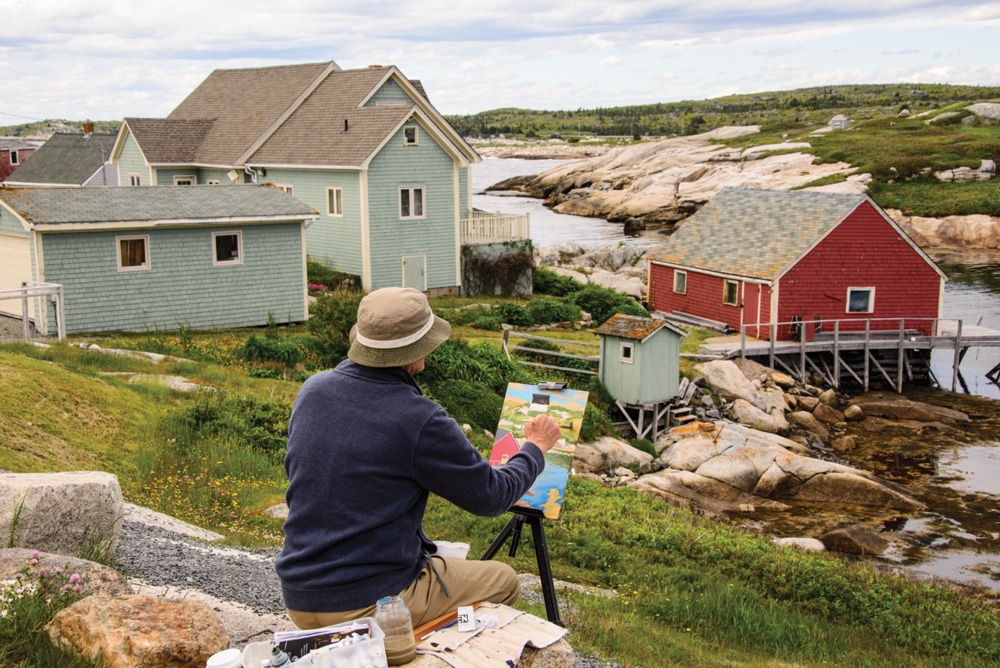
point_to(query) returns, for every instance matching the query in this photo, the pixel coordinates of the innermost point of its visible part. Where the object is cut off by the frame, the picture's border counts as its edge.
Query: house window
(680, 281)
(228, 247)
(212, 182)
(410, 136)
(411, 202)
(860, 300)
(730, 292)
(287, 189)
(334, 201)
(185, 180)
(134, 180)
(133, 253)
(626, 352)
(15, 158)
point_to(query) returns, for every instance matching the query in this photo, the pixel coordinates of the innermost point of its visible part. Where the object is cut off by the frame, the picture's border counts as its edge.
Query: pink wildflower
(58, 570)
(34, 561)
(42, 573)
(77, 589)
(74, 578)
(36, 554)
(68, 587)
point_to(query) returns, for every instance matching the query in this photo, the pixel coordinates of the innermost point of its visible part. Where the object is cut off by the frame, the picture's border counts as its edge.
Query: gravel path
(166, 557)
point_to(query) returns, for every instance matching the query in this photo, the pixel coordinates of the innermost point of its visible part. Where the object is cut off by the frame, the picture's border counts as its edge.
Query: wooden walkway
(897, 354)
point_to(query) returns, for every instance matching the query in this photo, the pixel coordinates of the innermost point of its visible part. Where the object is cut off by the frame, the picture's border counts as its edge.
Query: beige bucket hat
(395, 327)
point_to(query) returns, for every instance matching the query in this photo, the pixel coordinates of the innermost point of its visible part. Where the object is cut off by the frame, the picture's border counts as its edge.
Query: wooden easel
(513, 531)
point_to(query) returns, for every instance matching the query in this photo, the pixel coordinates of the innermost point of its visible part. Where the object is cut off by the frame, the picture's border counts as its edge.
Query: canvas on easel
(523, 402)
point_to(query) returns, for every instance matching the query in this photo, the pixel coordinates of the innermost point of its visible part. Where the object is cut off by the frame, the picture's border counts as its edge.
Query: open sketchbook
(522, 403)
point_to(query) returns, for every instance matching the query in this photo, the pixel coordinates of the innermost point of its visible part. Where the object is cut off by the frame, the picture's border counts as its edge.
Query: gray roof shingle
(755, 233)
(58, 206)
(66, 158)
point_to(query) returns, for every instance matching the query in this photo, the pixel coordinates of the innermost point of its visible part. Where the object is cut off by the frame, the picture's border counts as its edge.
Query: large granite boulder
(65, 513)
(895, 407)
(727, 380)
(140, 631)
(93, 578)
(746, 413)
(608, 453)
(753, 463)
(701, 494)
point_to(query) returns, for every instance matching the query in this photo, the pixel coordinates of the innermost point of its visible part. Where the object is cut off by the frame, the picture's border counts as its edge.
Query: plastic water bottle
(393, 617)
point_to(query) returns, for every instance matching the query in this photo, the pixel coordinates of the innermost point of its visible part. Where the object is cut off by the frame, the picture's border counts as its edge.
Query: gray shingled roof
(56, 206)
(755, 233)
(66, 158)
(166, 141)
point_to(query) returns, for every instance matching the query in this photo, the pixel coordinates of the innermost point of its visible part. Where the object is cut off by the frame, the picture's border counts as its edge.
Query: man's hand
(543, 431)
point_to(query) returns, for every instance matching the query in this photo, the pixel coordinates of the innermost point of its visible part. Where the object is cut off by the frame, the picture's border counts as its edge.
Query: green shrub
(545, 311)
(267, 349)
(318, 274)
(547, 282)
(484, 363)
(513, 314)
(602, 303)
(244, 421)
(331, 317)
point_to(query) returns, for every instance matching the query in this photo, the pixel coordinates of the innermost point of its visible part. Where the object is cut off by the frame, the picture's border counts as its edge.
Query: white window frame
(423, 202)
(15, 157)
(337, 210)
(216, 262)
(626, 352)
(871, 300)
(135, 179)
(180, 178)
(725, 292)
(213, 182)
(683, 276)
(118, 252)
(284, 187)
(406, 135)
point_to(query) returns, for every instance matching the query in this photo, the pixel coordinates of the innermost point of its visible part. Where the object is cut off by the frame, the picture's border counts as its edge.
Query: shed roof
(634, 327)
(16, 143)
(41, 207)
(66, 158)
(755, 233)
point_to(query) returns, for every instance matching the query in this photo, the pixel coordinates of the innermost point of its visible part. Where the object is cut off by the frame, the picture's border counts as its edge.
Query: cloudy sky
(106, 59)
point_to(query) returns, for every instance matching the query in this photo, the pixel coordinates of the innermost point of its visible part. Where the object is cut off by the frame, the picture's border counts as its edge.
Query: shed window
(680, 281)
(860, 300)
(411, 202)
(285, 188)
(133, 253)
(626, 352)
(334, 201)
(410, 136)
(134, 180)
(228, 247)
(185, 180)
(212, 182)
(730, 293)
(15, 158)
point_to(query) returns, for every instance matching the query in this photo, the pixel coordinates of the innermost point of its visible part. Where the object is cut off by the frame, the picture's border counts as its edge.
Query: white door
(15, 267)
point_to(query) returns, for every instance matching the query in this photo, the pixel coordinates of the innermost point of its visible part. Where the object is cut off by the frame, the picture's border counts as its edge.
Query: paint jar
(393, 617)
(227, 658)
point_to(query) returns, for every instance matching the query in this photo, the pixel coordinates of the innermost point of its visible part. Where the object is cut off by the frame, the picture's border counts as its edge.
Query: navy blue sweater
(364, 449)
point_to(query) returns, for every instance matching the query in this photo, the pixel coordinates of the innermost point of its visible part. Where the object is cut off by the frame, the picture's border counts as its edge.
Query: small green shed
(640, 359)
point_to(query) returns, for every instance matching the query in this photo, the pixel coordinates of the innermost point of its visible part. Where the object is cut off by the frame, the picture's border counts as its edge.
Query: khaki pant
(468, 582)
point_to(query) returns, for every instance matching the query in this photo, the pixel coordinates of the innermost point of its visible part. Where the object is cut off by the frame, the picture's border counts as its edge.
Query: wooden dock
(836, 354)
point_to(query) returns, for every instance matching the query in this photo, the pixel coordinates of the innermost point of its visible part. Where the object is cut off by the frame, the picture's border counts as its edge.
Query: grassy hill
(49, 127)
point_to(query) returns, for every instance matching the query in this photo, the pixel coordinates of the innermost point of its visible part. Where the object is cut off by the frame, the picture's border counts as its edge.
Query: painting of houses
(14, 152)
(138, 259)
(752, 257)
(69, 159)
(365, 148)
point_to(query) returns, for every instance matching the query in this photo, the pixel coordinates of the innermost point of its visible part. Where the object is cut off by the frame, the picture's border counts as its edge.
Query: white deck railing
(483, 227)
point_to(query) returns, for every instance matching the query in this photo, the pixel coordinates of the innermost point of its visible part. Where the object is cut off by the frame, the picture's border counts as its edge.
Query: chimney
(88, 128)
(345, 125)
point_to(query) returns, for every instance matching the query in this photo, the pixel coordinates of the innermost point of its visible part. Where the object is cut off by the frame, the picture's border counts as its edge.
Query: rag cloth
(490, 647)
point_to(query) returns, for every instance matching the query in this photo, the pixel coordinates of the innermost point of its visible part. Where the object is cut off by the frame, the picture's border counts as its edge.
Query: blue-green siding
(398, 165)
(11, 225)
(464, 207)
(655, 374)
(333, 240)
(389, 93)
(165, 177)
(130, 161)
(182, 287)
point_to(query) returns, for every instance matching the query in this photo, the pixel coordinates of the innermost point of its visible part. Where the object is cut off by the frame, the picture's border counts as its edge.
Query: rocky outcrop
(974, 231)
(854, 540)
(753, 463)
(64, 513)
(608, 453)
(662, 182)
(91, 577)
(135, 630)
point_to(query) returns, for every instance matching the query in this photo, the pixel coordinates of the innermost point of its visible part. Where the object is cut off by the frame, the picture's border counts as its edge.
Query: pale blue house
(137, 259)
(387, 173)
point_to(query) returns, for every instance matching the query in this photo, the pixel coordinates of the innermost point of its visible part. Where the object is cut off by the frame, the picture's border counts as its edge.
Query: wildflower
(74, 578)
(42, 573)
(36, 554)
(58, 570)
(34, 561)
(77, 589)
